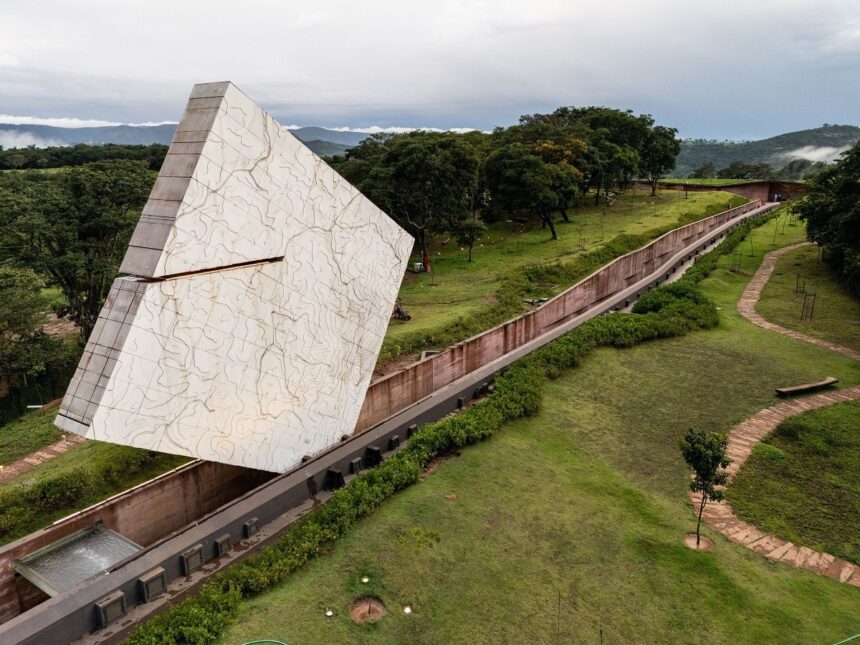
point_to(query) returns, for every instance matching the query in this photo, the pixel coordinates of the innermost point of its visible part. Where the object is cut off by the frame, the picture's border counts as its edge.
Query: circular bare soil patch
(367, 610)
(704, 543)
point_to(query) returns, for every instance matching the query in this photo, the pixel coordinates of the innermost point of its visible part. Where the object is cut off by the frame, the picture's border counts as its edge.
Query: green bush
(129, 462)
(26, 505)
(768, 452)
(60, 491)
(202, 618)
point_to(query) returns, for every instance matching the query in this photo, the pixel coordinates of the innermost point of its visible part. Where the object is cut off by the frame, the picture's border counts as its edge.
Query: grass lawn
(837, 313)
(27, 434)
(803, 482)
(457, 287)
(567, 526)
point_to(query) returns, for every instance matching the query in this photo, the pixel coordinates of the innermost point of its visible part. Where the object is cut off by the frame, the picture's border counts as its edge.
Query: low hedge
(674, 310)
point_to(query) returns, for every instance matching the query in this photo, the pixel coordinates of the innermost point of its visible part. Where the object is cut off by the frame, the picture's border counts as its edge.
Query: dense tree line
(541, 168)
(794, 170)
(60, 156)
(72, 226)
(831, 210)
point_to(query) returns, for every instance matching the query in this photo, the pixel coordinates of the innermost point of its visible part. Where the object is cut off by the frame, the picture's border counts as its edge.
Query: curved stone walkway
(744, 436)
(22, 465)
(749, 299)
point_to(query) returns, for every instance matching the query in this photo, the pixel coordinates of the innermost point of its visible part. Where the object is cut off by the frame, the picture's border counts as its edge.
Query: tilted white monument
(260, 290)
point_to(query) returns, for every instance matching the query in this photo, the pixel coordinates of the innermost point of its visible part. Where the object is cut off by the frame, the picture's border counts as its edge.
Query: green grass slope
(567, 526)
(836, 316)
(803, 482)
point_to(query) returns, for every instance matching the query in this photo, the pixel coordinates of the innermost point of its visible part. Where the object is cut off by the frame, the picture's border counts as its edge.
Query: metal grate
(152, 584)
(192, 559)
(110, 608)
(222, 545)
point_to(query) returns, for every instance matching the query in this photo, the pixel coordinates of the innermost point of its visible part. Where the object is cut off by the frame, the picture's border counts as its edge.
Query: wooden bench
(806, 387)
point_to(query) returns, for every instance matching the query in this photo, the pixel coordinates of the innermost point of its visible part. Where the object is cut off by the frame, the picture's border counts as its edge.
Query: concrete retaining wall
(143, 514)
(401, 389)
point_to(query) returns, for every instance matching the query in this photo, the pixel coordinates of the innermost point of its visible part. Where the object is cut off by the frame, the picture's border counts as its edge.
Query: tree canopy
(25, 350)
(831, 210)
(73, 226)
(542, 166)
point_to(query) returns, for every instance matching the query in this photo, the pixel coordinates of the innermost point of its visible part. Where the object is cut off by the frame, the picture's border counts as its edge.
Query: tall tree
(25, 350)
(659, 151)
(424, 180)
(705, 454)
(520, 181)
(469, 231)
(74, 226)
(831, 211)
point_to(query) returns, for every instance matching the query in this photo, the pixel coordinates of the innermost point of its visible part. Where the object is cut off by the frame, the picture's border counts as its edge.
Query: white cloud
(71, 122)
(394, 129)
(9, 139)
(57, 122)
(477, 63)
(8, 60)
(817, 153)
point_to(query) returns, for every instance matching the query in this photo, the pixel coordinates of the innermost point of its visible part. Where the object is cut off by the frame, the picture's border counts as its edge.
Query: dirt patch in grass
(435, 463)
(367, 610)
(704, 543)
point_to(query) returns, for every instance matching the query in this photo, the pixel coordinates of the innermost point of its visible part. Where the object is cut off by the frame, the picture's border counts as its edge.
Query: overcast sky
(730, 69)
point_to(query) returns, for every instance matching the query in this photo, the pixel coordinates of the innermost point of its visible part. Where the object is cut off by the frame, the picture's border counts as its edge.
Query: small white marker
(365, 579)
(329, 613)
(407, 609)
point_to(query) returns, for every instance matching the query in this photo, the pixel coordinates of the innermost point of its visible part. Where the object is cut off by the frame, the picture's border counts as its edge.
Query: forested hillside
(814, 145)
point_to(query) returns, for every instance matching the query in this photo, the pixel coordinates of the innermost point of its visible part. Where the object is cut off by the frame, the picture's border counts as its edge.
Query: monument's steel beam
(279, 502)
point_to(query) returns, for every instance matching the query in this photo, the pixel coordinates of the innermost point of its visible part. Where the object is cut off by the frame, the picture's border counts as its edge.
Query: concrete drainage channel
(105, 608)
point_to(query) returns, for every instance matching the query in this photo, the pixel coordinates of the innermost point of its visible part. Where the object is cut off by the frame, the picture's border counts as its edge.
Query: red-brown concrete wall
(401, 389)
(143, 514)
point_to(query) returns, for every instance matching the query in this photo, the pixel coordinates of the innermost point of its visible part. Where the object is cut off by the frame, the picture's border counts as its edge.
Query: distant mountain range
(320, 140)
(818, 144)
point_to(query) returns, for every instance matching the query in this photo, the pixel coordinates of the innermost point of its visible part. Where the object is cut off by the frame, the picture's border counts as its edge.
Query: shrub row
(25, 505)
(529, 281)
(202, 618)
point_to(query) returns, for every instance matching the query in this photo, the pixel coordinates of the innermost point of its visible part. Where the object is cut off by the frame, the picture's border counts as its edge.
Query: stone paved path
(32, 460)
(744, 436)
(747, 303)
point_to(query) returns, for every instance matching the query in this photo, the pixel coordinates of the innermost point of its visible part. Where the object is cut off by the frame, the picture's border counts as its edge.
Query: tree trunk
(470, 252)
(547, 219)
(654, 187)
(564, 217)
(699, 523)
(425, 253)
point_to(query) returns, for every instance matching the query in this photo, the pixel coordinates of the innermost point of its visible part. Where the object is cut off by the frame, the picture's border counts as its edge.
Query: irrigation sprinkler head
(407, 610)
